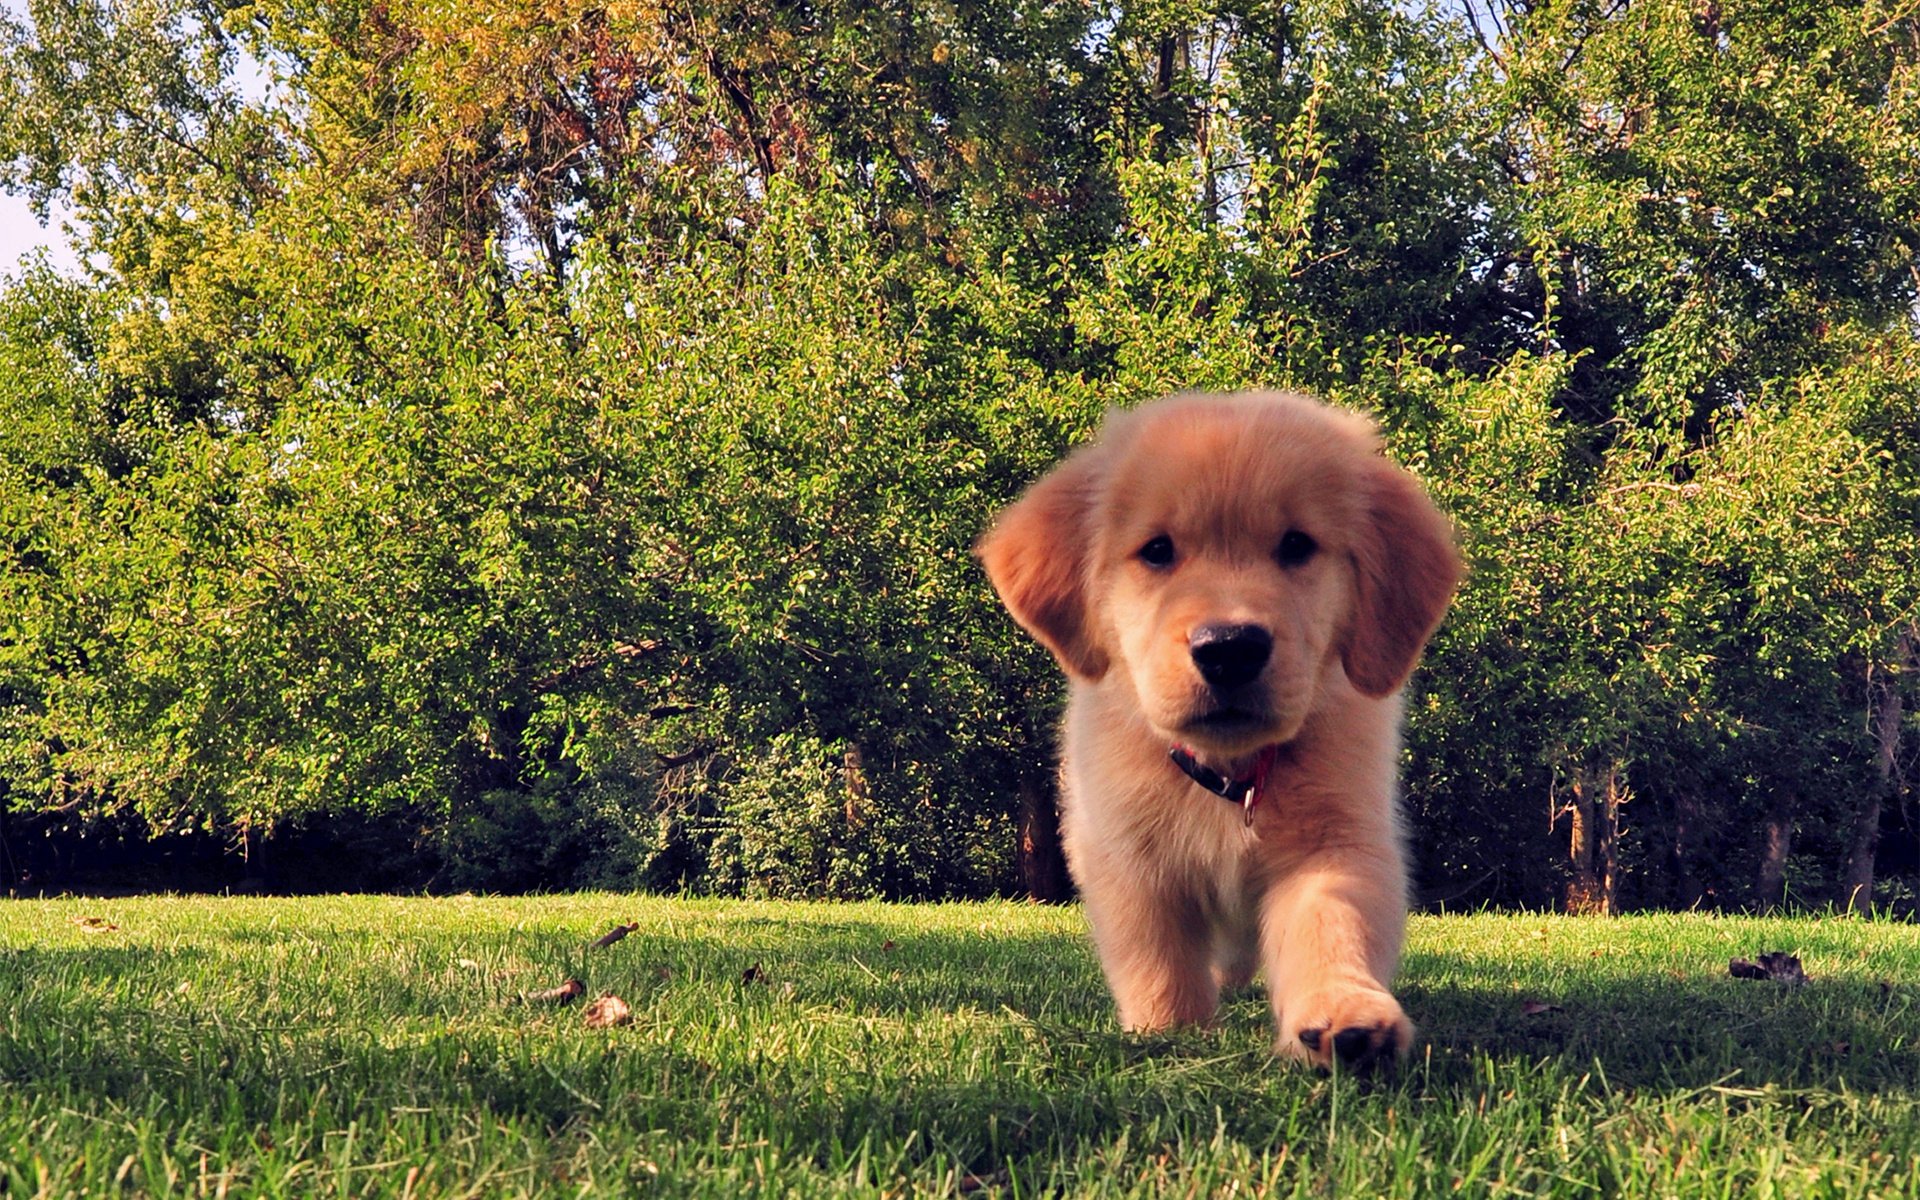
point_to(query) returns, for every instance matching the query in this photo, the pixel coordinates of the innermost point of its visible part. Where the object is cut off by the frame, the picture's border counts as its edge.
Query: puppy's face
(1223, 552)
(1219, 569)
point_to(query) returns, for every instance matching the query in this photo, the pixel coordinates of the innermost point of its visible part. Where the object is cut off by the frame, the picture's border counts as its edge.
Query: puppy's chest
(1149, 812)
(1161, 816)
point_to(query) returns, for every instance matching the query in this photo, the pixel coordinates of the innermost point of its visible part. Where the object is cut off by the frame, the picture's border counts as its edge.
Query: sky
(20, 234)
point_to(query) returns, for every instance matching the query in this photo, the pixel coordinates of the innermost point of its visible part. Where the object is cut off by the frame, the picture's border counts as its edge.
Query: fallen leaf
(753, 974)
(1838, 1048)
(613, 935)
(607, 1011)
(980, 1183)
(663, 973)
(95, 924)
(564, 994)
(1533, 1008)
(889, 944)
(468, 963)
(1776, 965)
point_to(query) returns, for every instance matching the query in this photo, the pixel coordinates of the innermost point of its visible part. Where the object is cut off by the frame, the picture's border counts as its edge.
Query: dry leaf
(753, 974)
(1533, 1008)
(1776, 965)
(613, 935)
(564, 994)
(981, 1183)
(95, 924)
(889, 944)
(607, 1011)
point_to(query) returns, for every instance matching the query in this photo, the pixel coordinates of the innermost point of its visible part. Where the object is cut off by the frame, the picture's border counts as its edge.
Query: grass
(370, 1046)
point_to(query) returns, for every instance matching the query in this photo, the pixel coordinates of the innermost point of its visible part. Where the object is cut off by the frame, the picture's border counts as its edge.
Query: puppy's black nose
(1230, 655)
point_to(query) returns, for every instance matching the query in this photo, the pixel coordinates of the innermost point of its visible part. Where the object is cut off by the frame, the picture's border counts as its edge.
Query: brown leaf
(981, 1183)
(889, 944)
(1776, 965)
(753, 974)
(613, 935)
(566, 993)
(95, 924)
(607, 1011)
(1533, 1008)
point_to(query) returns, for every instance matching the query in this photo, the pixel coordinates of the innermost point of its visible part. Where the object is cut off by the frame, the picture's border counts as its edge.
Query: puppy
(1237, 587)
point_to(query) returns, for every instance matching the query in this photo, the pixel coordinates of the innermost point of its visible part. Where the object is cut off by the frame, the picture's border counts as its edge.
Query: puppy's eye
(1158, 552)
(1295, 548)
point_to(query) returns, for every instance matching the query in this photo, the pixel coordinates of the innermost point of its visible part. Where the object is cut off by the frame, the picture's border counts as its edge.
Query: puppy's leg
(1331, 933)
(1155, 948)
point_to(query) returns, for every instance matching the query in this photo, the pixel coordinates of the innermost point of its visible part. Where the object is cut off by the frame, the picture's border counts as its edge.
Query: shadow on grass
(1053, 1068)
(1655, 1031)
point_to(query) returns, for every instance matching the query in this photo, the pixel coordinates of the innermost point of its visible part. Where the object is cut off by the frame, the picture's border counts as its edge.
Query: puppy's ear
(1036, 555)
(1406, 568)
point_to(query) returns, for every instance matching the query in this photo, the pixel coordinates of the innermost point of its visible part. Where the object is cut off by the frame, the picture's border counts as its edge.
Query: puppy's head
(1223, 552)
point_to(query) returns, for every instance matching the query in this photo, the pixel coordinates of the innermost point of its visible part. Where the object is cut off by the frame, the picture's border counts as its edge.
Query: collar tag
(1230, 789)
(1244, 792)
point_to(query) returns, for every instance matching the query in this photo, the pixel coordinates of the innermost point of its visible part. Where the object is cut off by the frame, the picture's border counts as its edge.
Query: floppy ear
(1036, 555)
(1406, 568)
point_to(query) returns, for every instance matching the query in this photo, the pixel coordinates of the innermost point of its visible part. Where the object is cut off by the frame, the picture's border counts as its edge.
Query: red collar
(1244, 790)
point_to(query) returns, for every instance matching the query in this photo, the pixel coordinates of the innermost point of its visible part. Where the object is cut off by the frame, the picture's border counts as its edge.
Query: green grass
(368, 1046)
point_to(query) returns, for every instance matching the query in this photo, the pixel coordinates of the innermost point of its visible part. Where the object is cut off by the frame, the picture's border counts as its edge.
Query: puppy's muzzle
(1230, 656)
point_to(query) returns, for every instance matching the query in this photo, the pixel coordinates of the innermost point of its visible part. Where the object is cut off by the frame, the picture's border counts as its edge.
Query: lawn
(382, 1046)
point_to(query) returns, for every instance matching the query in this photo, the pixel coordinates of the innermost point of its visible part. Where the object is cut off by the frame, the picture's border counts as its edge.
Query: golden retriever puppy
(1237, 587)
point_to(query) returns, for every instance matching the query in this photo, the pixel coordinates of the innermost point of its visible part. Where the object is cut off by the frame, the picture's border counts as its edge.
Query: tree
(571, 427)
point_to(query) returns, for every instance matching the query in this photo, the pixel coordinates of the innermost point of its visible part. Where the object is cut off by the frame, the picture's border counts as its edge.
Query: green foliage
(572, 428)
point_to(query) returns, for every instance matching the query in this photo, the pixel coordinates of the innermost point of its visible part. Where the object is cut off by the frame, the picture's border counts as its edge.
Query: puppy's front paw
(1361, 1027)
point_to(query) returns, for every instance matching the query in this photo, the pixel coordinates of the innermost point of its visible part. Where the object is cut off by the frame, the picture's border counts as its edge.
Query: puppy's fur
(1165, 567)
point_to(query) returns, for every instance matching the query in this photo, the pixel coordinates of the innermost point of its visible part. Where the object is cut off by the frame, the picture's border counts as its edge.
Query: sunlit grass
(374, 1046)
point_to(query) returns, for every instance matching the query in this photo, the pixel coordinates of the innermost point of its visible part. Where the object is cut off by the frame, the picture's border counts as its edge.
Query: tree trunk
(253, 876)
(14, 879)
(1584, 885)
(1043, 868)
(1856, 889)
(1608, 847)
(853, 773)
(1776, 845)
(1163, 69)
(1687, 890)
(1595, 809)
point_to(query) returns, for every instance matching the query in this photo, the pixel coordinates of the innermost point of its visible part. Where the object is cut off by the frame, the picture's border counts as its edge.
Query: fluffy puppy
(1237, 587)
